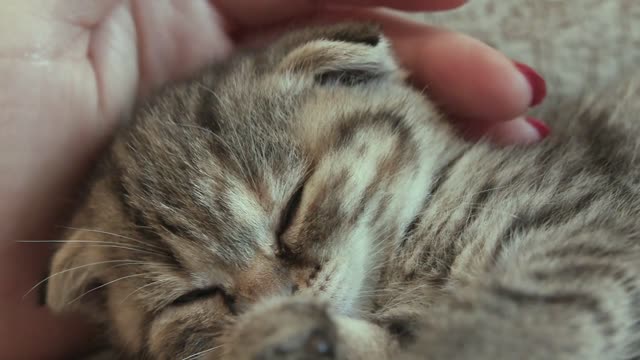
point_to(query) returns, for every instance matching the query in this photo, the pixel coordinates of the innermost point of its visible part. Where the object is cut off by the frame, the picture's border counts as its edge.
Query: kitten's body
(310, 174)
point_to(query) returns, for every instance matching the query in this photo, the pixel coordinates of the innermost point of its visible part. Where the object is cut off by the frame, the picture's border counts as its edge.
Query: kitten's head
(284, 171)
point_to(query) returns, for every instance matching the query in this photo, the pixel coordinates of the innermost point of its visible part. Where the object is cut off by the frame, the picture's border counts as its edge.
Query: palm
(84, 76)
(128, 52)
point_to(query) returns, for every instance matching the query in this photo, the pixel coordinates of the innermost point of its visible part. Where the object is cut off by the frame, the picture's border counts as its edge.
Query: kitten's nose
(288, 288)
(265, 279)
(294, 288)
(256, 293)
(243, 303)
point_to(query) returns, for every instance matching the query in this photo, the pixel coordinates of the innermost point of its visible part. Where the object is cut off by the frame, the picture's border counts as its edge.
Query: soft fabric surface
(576, 44)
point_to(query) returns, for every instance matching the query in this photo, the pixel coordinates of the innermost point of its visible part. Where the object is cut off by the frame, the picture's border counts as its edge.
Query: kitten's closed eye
(194, 296)
(197, 295)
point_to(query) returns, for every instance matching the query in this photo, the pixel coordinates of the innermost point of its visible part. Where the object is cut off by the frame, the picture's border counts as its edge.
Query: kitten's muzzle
(244, 301)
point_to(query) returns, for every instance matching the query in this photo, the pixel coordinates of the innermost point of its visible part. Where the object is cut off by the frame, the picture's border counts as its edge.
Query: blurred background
(575, 44)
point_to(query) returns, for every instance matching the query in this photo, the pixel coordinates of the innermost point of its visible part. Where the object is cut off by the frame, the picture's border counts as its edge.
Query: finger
(523, 130)
(467, 78)
(250, 13)
(175, 38)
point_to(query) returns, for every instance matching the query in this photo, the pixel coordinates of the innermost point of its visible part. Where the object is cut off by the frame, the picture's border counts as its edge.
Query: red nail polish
(537, 83)
(542, 128)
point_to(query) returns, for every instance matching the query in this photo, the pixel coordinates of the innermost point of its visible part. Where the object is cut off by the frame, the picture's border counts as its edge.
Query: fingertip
(523, 130)
(543, 129)
(466, 77)
(536, 82)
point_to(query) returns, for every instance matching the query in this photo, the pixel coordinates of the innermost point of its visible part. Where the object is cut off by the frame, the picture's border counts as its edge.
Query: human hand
(70, 68)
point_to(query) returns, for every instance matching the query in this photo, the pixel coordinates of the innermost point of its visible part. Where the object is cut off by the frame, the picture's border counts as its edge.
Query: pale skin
(70, 68)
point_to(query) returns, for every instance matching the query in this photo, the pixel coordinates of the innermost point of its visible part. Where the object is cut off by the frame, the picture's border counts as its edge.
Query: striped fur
(302, 202)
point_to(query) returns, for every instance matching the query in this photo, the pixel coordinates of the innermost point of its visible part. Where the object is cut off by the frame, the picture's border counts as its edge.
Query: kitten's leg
(301, 328)
(546, 298)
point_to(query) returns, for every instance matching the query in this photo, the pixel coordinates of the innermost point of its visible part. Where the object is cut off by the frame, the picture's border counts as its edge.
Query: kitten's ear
(345, 53)
(73, 285)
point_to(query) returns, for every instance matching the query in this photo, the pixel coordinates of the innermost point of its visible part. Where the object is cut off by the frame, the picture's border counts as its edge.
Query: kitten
(304, 202)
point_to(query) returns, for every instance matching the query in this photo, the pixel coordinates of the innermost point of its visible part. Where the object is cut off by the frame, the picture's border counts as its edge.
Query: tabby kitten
(303, 202)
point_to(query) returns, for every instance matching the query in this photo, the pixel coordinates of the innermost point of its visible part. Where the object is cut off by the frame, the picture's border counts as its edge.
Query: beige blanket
(575, 44)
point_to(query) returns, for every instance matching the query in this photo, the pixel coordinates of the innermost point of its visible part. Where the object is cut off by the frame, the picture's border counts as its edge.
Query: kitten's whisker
(149, 263)
(145, 244)
(208, 89)
(94, 244)
(378, 291)
(66, 271)
(407, 296)
(143, 287)
(109, 283)
(193, 356)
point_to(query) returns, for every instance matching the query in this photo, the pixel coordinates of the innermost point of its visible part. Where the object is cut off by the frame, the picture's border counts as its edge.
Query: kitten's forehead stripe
(349, 127)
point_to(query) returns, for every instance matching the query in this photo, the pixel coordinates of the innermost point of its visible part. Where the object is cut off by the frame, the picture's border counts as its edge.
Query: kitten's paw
(285, 330)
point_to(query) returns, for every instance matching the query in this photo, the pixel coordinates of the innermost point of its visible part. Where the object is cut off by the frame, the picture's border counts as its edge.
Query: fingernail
(542, 128)
(537, 83)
